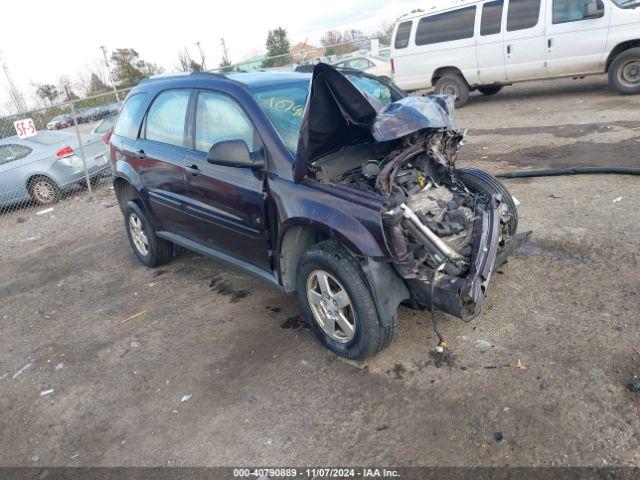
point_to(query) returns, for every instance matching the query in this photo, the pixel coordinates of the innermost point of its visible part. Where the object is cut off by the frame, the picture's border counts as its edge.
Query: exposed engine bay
(431, 213)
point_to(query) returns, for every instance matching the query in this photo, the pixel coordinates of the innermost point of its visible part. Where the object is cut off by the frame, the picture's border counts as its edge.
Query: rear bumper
(463, 297)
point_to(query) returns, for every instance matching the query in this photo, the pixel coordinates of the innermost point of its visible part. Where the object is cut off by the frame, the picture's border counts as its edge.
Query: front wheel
(150, 249)
(336, 300)
(624, 72)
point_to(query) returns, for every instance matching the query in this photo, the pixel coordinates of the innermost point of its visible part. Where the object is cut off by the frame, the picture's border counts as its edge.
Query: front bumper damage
(458, 296)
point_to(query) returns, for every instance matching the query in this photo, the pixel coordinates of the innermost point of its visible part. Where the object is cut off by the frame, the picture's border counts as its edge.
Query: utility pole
(106, 62)
(204, 67)
(14, 93)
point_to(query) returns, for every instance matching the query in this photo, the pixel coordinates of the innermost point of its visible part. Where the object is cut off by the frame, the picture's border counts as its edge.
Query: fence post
(82, 155)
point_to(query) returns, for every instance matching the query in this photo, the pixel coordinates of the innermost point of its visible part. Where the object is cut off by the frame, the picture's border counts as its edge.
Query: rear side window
(491, 18)
(569, 10)
(166, 117)
(522, 14)
(402, 35)
(219, 118)
(446, 27)
(11, 152)
(129, 119)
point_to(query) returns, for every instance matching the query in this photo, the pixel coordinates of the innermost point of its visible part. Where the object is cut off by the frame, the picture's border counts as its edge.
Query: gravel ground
(219, 369)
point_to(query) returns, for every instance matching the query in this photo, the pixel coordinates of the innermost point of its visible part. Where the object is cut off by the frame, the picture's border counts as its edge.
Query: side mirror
(235, 153)
(594, 9)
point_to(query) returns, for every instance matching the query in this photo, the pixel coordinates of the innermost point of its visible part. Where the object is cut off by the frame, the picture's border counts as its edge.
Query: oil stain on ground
(294, 323)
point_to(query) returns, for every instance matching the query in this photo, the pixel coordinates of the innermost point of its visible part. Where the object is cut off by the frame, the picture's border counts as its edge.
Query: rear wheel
(624, 72)
(44, 191)
(336, 300)
(490, 89)
(150, 249)
(479, 181)
(452, 84)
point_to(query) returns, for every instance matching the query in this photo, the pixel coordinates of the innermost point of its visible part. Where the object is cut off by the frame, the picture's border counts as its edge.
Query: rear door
(158, 157)
(525, 42)
(576, 41)
(490, 46)
(225, 203)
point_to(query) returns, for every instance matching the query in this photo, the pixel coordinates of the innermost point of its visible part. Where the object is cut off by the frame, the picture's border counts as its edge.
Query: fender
(124, 171)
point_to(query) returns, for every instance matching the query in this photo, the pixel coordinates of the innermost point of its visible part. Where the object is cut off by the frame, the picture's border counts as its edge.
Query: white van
(487, 44)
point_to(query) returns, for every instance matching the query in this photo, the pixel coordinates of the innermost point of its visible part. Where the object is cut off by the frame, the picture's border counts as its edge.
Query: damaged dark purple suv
(333, 185)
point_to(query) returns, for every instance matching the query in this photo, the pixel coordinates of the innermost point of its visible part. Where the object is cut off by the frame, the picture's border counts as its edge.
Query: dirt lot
(262, 389)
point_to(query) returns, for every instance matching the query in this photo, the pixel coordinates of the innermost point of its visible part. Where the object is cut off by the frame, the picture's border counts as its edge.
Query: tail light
(107, 136)
(393, 66)
(64, 152)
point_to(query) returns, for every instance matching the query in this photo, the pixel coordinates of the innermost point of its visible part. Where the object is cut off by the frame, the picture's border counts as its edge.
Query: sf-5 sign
(25, 128)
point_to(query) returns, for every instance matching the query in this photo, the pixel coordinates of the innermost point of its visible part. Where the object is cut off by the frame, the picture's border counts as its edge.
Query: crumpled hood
(338, 115)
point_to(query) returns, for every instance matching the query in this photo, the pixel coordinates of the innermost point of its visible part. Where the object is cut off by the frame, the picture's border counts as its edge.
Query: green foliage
(47, 92)
(129, 68)
(277, 46)
(96, 85)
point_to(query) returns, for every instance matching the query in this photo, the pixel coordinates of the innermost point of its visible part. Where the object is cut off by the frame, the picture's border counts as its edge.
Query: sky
(41, 41)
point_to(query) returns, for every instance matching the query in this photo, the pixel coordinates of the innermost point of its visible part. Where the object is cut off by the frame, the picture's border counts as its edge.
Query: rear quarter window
(446, 27)
(128, 123)
(402, 35)
(12, 152)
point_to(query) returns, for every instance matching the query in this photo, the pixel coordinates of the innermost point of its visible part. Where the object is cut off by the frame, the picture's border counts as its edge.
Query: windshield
(284, 104)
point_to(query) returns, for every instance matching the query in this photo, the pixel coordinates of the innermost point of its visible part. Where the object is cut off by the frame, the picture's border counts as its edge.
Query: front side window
(402, 35)
(491, 23)
(565, 11)
(220, 118)
(129, 119)
(522, 14)
(446, 27)
(166, 117)
(12, 152)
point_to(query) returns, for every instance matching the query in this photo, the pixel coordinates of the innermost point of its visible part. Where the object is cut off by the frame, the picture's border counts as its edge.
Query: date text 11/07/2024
(268, 473)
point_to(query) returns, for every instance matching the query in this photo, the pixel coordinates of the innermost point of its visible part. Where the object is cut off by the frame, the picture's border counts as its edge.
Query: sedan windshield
(284, 104)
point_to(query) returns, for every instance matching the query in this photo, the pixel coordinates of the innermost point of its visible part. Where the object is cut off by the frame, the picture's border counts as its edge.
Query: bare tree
(225, 64)
(186, 63)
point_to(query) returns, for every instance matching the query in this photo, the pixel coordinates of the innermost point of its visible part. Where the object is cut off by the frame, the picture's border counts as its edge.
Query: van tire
(452, 84)
(624, 72)
(489, 89)
(370, 335)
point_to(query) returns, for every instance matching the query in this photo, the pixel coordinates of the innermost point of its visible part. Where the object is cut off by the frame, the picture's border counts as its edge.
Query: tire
(369, 335)
(158, 251)
(479, 181)
(489, 89)
(624, 72)
(452, 84)
(44, 191)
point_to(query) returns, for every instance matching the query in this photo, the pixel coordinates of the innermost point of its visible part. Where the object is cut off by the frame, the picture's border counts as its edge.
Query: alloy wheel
(331, 306)
(140, 240)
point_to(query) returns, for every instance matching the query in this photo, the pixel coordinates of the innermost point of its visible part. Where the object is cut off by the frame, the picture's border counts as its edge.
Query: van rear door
(524, 40)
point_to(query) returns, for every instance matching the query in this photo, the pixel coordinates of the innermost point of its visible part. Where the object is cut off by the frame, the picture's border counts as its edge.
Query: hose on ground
(555, 172)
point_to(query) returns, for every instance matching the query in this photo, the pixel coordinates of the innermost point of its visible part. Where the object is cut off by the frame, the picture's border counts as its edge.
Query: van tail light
(107, 136)
(64, 152)
(393, 66)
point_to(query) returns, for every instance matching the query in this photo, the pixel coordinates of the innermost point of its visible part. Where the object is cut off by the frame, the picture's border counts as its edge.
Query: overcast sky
(42, 40)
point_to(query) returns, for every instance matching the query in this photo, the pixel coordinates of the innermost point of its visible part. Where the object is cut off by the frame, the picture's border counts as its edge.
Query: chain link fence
(49, 154)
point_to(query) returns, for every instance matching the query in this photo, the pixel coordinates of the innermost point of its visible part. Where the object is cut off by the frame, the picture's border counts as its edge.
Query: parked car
(60, 121)
(345, 196)
(380, 67)
(487, 44)
(42, 167)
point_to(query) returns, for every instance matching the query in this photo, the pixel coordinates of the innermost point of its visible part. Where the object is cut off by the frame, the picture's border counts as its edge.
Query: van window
(129, 119)
(522, 14)
(166, 117)
(446, 27)
(569, 10)
(402, 35)
(491, 18)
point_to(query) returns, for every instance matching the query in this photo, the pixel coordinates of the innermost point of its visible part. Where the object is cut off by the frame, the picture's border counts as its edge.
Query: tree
(66, 88)
(336, 42)
(47, 92)
(129, 68)
(96, 85)
(277, 44)
(225, 64)
(186, 63)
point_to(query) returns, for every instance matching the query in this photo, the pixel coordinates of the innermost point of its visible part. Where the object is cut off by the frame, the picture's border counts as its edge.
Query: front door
(226, 203)
(524, 40)
(577, 34)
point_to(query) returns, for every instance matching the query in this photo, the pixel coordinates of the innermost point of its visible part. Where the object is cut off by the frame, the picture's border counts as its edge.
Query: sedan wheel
(331, 306)
(44, 191)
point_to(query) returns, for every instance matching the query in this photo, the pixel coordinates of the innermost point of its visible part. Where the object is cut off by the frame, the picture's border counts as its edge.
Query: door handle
(550, 43)
(508, 49)
(193, 170)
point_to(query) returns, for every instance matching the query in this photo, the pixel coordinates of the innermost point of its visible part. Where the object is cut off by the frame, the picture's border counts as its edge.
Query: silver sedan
(42, 167)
